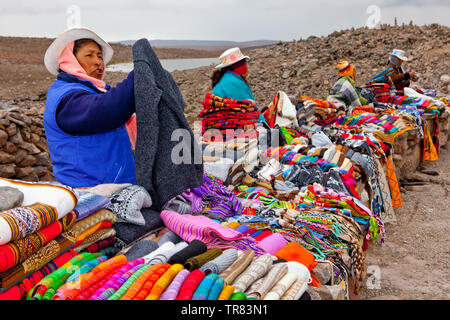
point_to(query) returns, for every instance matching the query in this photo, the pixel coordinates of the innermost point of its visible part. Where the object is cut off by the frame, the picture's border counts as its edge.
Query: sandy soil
(414, 260)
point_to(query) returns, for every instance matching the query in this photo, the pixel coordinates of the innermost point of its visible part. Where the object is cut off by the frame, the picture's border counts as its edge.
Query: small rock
(3, 138)
(445, 78)
(7, 170)
(6, 157)
(322, 272)
(335, 292)
(10, 198)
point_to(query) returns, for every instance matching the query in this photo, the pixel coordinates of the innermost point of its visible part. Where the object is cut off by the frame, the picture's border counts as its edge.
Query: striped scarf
(213, 234)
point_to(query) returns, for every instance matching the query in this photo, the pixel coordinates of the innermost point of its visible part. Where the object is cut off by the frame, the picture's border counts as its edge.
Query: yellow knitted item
(226, 293)
(164, 281)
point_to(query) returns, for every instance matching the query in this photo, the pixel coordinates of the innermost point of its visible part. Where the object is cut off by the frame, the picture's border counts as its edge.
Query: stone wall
(23, 146)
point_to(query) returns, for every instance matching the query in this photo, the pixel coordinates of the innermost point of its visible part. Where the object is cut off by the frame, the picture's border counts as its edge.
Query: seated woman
(230, 77)
(84, 117)
(344, 91)
(394, 74)
(399, 78)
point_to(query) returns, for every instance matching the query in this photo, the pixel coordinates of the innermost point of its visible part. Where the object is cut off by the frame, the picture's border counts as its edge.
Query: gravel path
(413, 263)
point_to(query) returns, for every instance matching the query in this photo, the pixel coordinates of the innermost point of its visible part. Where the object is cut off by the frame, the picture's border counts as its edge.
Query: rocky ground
(413, 261)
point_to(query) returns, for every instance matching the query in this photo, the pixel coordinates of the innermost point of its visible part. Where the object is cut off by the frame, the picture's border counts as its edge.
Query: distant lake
(168, 64)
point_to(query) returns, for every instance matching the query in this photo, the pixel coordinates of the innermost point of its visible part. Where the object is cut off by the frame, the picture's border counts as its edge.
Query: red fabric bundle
(15, 252)
(190, 284)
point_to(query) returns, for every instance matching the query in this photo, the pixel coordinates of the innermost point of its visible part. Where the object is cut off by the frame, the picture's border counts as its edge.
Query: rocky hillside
(308, 66)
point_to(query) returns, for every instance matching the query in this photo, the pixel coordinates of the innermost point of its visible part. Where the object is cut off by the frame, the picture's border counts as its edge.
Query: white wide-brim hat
(231, 56)
(67, 36)
(400, 54)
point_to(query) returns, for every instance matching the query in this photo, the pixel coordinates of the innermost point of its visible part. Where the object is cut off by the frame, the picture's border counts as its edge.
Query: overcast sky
(237, 20)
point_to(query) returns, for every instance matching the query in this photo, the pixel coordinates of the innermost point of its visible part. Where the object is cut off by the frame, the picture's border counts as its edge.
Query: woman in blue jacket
(84, 117)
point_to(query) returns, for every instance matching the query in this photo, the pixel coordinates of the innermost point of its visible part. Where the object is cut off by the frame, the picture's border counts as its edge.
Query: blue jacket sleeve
(83, 113)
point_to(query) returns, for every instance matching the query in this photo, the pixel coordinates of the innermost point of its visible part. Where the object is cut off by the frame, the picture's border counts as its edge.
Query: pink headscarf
(69, 63)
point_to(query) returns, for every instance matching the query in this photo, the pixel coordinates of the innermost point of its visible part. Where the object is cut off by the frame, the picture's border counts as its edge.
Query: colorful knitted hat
(346, 69)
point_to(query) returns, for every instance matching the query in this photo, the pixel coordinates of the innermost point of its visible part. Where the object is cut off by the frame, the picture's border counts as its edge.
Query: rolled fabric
(194, 248)
(47, 287)
(164, 247)
(221, 263)
(164, 282)
(226, 293)
(117, 280)
(85, 268)
(293, 251)
(125, 280)
(169, 236)
(242, 228)
(281, 287)
(172, 291)
(139, 282)
(190, 285)
(141, 249)
(216, 289)
(148, 285)
(270, 279)
(295, 291)
(202, 291)
(263, 235)
(254, 286)
(257, 269)
(126, 286)
(69, 292)
(198, 261)
(20, 290)
(273, 243)
(237, 267)
(42, 205)
(15, 252)
(86, 294)
(238, 296)
(165, 255)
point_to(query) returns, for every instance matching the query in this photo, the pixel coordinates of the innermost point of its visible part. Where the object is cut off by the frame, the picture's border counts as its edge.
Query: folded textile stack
(325, 111)
(34, 230)
(225, 113)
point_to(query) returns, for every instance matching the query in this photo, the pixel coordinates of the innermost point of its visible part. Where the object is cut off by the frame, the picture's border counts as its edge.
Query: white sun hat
(400, 54)
(231, 56)
(67, 36)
